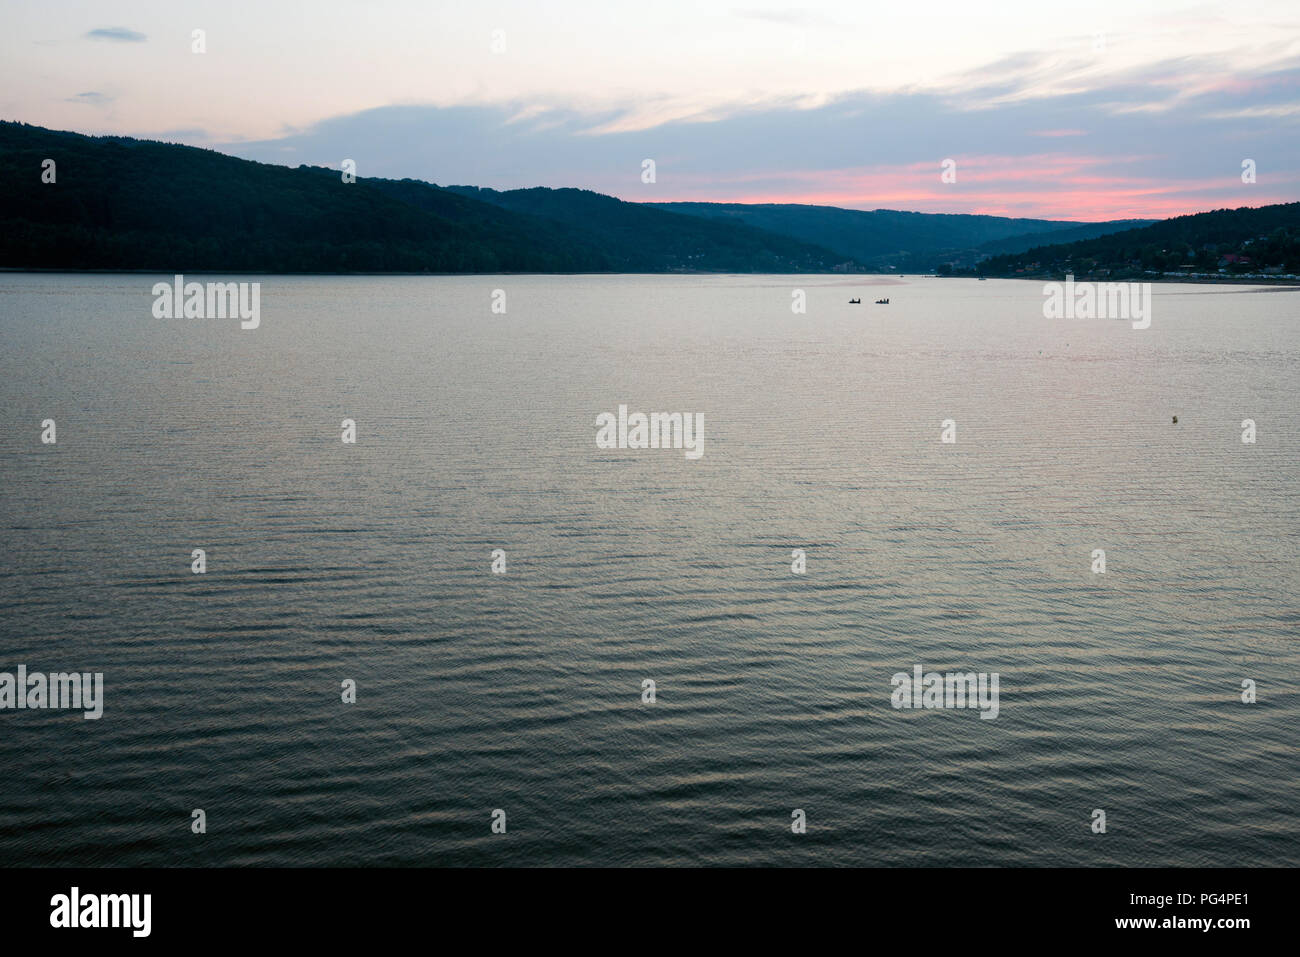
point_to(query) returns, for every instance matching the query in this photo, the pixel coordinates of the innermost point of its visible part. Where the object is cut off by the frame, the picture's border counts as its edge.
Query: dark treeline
(680, 238)
(1226, 241)
(885, 239)
(121, 203)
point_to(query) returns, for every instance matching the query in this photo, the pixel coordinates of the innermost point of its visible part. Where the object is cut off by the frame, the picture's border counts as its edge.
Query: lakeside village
(1265, 258)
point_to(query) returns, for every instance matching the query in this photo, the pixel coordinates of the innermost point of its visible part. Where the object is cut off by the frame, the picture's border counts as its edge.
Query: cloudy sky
(1089, 110)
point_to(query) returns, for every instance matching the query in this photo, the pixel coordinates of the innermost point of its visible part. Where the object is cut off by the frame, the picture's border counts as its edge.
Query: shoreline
(1201, 280)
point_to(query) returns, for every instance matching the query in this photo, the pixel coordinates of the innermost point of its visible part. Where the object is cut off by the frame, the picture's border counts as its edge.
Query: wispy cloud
(1129, 144)
(92, 98)
(787, 17)
(116, 34)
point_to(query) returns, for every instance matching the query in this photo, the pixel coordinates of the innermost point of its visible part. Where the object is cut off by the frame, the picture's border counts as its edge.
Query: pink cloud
(1045, 186)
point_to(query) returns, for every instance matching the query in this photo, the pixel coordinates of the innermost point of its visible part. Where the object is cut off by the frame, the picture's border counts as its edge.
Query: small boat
(882, 302)
(854, 301)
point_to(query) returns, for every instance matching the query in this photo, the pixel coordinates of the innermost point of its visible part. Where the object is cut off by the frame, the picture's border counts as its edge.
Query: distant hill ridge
(124, 203)
(120, 203)
(1260, 240)
(884, 239)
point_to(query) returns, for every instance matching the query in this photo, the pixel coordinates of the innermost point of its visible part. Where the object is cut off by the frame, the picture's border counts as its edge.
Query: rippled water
(522, 691)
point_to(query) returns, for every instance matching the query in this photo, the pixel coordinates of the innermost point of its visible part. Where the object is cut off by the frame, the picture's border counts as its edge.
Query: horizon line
(1144, 219)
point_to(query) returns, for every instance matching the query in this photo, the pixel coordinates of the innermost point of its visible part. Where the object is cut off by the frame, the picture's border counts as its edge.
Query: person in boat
(852, 301)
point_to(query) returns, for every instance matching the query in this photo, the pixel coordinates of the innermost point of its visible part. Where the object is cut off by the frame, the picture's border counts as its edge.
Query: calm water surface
(522, 691)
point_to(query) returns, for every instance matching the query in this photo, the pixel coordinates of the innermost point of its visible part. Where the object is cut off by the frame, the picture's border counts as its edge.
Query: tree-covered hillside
(1249, 240)
(121, 203)
(886, 239)
(665, 236)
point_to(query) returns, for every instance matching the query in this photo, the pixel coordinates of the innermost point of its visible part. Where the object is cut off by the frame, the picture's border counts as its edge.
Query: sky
(1059, 110)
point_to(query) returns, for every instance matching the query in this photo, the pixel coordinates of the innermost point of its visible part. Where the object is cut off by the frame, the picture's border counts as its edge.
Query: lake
(522, 690)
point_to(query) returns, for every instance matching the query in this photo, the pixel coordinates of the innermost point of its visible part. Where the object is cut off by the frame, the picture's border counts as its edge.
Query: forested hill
(122, 203)
(892, 239)
(1262, 240)
(613, 223)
